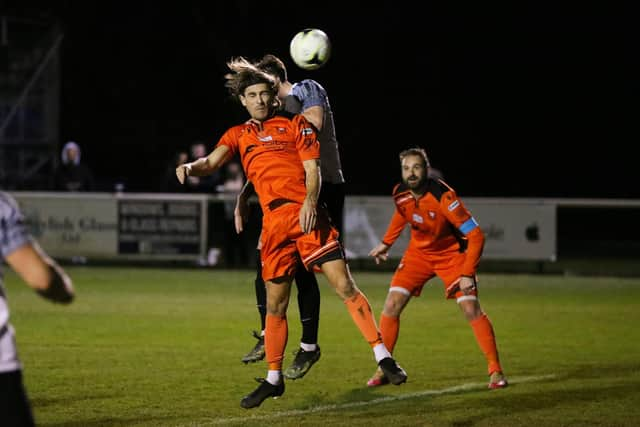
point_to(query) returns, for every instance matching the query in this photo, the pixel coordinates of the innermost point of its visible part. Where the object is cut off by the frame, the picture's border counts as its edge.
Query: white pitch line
(340, 406)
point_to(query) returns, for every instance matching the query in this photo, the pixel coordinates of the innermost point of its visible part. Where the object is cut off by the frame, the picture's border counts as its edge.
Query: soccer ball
(310, 49)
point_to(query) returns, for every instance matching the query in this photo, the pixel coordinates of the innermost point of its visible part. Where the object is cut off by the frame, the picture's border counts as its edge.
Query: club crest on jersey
(417, 218)
(306, 131)
(432, 215)
(265, 138)
(281, 130)
(453, 205)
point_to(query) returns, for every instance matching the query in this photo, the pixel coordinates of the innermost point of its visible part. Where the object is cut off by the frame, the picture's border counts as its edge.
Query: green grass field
(161, 347)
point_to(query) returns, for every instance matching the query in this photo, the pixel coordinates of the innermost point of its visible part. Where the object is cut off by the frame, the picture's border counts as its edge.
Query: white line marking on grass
(348, 405)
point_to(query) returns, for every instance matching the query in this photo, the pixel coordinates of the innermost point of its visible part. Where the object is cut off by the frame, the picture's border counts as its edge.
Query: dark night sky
(527, 101)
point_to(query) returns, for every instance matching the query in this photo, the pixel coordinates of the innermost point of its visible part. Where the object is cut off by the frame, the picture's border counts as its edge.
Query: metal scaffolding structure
(29, 102)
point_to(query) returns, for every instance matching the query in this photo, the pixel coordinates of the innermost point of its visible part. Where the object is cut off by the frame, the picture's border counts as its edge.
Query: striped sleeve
(13, 231)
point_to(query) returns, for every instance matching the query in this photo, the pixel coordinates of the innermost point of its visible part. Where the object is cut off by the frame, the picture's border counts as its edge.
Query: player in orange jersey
(447, 242)
(280, 156)
(310, 99)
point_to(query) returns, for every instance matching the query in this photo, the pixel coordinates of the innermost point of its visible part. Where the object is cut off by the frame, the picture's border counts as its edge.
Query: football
(310, 49)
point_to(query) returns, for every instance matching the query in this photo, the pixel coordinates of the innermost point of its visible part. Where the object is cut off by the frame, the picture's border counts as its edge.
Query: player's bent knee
(345, 288)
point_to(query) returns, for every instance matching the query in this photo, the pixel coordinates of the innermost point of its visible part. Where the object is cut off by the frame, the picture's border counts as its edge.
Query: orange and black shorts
(418, 267)
(284, 245)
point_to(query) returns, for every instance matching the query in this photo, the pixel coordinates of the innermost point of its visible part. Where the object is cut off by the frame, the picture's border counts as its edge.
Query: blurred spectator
(233, 181)
(170, 183)
(72, 175)
(203, 184)
(236, 246)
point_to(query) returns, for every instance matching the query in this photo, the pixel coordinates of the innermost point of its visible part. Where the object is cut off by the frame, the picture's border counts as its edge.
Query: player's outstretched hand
(182, 172)
(380, 253)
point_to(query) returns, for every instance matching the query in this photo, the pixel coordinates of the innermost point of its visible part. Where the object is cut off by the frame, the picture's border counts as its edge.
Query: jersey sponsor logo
(275, 145)
(417, 218)
(453, 205)
(306, 131)
(281, 130)
(432, 215)
(265, 138)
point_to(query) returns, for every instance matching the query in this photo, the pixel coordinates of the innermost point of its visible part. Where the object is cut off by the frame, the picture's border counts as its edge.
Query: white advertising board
(515, 229)
(68, 225)
(166, 226)
(108, 226)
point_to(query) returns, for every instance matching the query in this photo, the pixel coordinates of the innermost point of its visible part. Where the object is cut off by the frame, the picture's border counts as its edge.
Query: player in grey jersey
(23, 254)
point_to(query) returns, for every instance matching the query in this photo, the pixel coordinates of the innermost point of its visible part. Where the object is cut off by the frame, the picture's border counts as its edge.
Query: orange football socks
(360, 312)
(483, 331)
(275, 340)
(389, 329)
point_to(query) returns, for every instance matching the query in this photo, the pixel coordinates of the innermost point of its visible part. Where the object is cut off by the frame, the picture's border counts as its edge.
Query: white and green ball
(310, 49)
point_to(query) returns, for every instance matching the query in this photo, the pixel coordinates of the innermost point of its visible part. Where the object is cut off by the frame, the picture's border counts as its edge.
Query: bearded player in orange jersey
(447, 242)
(281, 157)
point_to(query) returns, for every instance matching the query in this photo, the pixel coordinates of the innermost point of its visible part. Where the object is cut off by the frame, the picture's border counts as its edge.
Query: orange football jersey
(439, 221)
(272, 154)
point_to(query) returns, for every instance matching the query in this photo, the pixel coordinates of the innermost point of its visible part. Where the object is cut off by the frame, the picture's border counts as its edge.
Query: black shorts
(15, 410)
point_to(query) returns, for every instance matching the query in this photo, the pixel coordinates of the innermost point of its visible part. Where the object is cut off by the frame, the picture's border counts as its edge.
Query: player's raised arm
(205, 165)
(315, 116)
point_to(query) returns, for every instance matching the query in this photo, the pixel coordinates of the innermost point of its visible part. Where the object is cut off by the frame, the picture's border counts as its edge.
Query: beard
(414, 182)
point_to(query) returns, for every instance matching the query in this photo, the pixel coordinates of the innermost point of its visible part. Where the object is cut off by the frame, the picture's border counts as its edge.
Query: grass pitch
(161, 347)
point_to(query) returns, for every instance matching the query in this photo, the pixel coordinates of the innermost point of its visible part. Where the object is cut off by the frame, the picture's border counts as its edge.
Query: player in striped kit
(23, 254)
